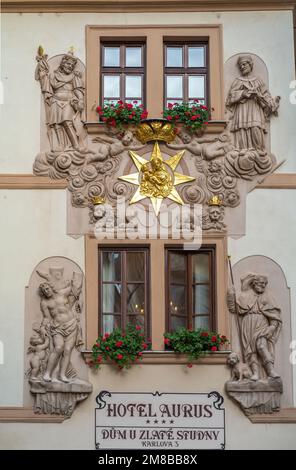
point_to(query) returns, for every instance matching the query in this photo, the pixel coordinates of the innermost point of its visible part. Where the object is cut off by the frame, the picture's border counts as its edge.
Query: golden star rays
(156, 178)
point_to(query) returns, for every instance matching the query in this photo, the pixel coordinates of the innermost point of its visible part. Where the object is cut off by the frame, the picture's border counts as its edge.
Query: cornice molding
(27, 181)
(26, 415)
(51, 6)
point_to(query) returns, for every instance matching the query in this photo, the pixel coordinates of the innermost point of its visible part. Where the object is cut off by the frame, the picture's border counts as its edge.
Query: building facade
(162, 224)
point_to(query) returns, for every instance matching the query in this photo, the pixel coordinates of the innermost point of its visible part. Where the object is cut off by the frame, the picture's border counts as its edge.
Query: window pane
(133, 86)
(177, 300)
(136, 299)
(196, 57)
(111, 86)
(196, 86)
(202, 322)
(178, 322)
(174, 86)
(178, 268)
(111, 266)
(111, 101)
(172, 101)
(193, 102)
(111, 298)
(135, 266)
(174, 57)
(110, 322)
(201, 299)
(136, 102)
(136, 320)
(200, 267)
(133, 57)
(111, 56)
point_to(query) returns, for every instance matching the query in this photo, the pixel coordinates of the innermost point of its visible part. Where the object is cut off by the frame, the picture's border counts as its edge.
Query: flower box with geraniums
(122, 348)
(193, 115)
(122, 114)
(194, 344)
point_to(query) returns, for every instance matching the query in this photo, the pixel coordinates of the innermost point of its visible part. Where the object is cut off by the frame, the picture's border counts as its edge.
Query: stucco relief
(94, 164)
(249, 103)
(54, 337)
(259, 309)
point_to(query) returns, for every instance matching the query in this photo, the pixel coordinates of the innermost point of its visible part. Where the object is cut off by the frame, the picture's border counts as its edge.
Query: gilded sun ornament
(156, 178)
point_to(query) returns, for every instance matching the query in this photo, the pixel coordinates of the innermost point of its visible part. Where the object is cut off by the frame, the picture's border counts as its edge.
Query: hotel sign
(134, 420)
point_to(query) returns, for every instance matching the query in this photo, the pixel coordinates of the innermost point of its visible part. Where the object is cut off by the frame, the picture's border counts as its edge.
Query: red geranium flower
(214, 348)
(119, 356)
(144, 346)
(214, 339)
(118, 344)
(166, 341)
(169, 118)
(138, 327)
(204, 333)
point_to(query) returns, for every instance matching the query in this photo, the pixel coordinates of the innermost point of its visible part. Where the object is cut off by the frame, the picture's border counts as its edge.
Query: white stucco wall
(271, 231)
(33, 223)
(268, 34)
(33, 227)
(78, 432)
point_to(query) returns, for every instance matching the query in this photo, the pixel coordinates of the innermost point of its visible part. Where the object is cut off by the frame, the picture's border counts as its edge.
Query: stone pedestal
(57, 397)
(256, 397)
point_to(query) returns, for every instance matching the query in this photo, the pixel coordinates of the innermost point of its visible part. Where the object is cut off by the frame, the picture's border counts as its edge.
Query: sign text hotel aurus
(134, 420)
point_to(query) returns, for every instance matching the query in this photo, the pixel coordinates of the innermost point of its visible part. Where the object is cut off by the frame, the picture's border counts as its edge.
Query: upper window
(123, 70)
(123, 288)
(190, 289)
(186, 72)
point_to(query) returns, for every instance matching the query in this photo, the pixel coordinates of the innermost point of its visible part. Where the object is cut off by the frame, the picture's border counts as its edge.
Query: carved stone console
(54, 336)
(262, 396)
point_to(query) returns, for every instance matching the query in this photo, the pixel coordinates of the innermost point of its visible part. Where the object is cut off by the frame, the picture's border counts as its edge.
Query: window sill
(213, 127)
(169, 357)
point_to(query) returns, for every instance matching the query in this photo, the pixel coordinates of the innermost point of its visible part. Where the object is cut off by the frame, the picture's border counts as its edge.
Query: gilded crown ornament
(96, 200)
(156, 178)
(215, 201)
(155, 130)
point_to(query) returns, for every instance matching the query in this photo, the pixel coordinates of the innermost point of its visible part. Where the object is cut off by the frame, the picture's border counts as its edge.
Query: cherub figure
(213, 218)
(39, 346)
(111, 146)
(218, 145)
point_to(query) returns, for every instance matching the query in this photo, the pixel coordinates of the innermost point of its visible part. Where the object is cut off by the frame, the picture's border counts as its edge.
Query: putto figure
(260, 324)
(63, 91)
(251, 105)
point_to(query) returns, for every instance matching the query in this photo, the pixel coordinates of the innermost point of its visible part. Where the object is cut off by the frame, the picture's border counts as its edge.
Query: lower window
(190, 296)
(123, 288)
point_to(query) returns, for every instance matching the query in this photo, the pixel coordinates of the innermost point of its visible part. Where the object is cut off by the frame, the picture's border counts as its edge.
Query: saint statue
(60, 309)
(251, 105)
(63, 91)
(260, 324)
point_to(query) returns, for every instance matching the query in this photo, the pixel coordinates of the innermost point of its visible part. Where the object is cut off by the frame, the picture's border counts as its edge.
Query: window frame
(124, 282)
(157, 288)
(185, 71)
(210, 249)
(122, 70)
(154, 36)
